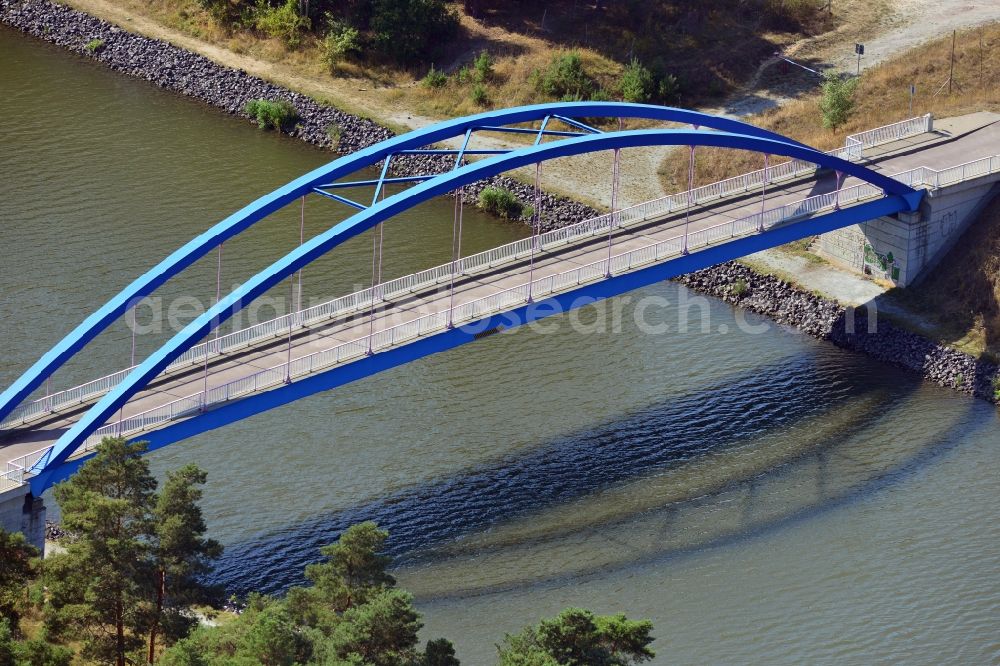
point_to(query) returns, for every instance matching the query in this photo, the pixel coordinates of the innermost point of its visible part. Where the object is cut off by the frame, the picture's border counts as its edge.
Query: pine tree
(99, 587)
(576, 637)
(439, 652)
(355, 569)
(16, 556)
(181, 555)
(380, 632)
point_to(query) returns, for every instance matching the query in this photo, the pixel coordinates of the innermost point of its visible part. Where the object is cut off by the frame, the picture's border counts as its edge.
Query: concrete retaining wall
(20, 512)
(902, 249)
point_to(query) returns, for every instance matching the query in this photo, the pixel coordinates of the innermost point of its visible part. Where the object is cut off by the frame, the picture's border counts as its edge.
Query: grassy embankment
(708, 50)
(881, 98)
(961, 296)
(960, 299)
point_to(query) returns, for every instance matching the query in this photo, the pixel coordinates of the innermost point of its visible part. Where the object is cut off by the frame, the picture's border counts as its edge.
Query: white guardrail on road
(853, 150)
(18, 470)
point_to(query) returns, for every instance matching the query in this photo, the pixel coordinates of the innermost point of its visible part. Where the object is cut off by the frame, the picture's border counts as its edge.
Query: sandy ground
(918, 21)
(901, 25)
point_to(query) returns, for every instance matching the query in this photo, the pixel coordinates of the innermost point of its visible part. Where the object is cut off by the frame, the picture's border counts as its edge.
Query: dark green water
(763, 497)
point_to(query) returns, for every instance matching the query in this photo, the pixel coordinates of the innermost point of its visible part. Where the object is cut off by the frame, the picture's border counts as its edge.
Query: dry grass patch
(962, 295)
(711, 49)
(882, 98)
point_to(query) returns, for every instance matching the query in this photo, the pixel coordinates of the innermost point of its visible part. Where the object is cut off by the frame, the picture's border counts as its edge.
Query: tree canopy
(130, 573)
(577, 637)
(838, 99)
(131, 569)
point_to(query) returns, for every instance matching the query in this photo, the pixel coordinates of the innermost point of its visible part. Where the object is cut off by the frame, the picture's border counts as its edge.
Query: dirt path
(908, 24)
(588, 178)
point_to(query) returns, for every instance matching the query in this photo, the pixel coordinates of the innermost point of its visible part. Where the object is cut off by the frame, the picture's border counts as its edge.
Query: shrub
(335, 131)
(409, 31)
(479, 94)
(282, 22)
(996, 388)
(838, 99)
(668, 88)
(94, 45)
(434, 79)
(276, 114)
(565, 79)
(483, 67)
(503, 203)
(223, 11)
(739, 287)
(463, 75)
(637, 83)
(341, 41)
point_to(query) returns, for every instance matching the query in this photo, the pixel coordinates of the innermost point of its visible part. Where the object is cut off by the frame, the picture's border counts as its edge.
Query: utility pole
(913, 92)
(951, 72)
(980, 57)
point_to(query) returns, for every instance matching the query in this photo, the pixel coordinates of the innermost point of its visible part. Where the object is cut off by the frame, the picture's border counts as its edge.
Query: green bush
(335, 131)
(565, 79)
(271, 114)
(410, 31)
(241, 13)
(341, 41)
(996, 388)
(479, 94)
(282, 22)
(435, 78)
(503, 203)
(94, 45)
(668, 89)
(637, 82)
(838, 99)
(483, 66)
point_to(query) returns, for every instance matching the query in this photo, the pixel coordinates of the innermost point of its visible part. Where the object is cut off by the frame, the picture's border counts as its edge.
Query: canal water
(761, 496)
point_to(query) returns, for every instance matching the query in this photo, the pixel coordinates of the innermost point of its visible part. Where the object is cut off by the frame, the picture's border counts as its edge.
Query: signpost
(860, 50)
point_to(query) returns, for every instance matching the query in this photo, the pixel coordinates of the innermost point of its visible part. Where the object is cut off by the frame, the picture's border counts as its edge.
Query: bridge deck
(937, 150)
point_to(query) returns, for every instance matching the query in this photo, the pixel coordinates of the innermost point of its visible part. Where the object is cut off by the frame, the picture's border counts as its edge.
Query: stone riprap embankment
(828, 320)
(229, 89)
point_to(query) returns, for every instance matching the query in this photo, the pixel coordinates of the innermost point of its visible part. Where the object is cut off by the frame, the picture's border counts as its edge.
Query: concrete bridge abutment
(20, 511)
(903, 247)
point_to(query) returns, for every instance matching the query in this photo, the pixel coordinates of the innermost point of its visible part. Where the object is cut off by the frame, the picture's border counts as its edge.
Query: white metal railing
(18, 468)
(495, 303)
(477, 309)
(365, 298)
(894, 132)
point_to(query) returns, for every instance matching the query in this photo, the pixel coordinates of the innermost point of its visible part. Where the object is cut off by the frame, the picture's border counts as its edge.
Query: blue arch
(247, 216)
(899, 197)
(451, 338)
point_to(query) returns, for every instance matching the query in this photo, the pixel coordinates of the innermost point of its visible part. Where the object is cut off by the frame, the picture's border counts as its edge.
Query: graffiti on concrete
(882, 265)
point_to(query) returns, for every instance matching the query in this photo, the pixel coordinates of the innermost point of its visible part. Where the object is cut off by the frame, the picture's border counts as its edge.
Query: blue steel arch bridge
(392, 323)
